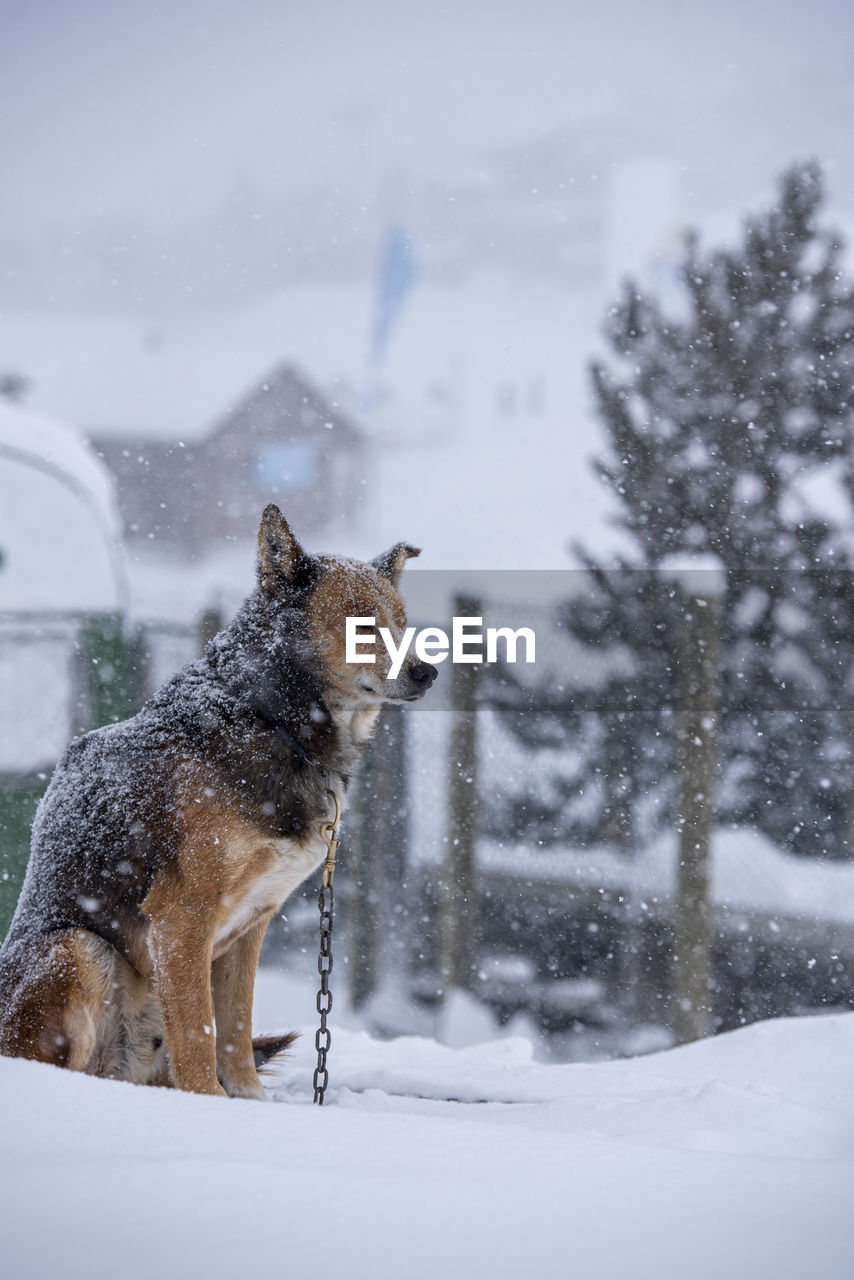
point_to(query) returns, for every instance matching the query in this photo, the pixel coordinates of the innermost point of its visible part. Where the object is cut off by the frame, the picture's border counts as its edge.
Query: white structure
(59, 527)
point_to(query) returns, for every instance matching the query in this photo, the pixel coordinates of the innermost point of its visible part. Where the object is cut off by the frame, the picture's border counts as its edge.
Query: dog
(164, 844)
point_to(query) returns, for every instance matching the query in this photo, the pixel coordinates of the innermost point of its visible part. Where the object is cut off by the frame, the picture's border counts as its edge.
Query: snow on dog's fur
(164, 844)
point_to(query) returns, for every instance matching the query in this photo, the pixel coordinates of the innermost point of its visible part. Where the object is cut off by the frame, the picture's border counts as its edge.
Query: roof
(117, 375)
(287, 393)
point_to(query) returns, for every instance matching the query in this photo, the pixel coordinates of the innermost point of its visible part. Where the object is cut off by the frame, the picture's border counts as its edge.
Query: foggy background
(163, 158)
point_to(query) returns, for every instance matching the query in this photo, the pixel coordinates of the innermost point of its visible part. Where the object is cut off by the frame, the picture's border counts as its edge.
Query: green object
(19, 798)
(111, 664)
(110, 669)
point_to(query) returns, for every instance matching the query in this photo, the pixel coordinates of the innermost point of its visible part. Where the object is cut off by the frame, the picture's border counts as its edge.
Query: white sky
(162, 108)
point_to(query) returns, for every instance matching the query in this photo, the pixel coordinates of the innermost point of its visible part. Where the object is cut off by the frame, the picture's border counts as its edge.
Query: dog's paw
(245, 1089)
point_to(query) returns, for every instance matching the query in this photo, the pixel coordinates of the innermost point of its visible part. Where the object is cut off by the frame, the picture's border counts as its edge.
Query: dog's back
(99, 834)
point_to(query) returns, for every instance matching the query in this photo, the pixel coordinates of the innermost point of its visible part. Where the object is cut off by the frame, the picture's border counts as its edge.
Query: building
(282, 442)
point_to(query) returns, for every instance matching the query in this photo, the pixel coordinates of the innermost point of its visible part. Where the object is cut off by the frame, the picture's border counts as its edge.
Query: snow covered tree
(730, 429)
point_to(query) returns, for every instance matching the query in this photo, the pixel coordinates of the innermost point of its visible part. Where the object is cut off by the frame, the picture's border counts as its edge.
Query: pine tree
(718, 419)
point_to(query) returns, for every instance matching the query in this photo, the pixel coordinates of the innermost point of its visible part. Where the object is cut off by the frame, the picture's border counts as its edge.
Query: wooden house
(283, 442)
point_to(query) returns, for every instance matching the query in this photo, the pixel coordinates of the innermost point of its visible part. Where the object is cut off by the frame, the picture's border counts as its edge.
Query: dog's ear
(279, 553)
(390, 563)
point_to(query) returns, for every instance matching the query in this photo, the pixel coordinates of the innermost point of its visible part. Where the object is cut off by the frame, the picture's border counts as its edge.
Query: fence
(503, 838)
(615, 852)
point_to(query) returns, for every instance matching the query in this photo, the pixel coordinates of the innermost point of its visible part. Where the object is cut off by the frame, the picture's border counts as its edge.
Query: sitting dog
(164, 844)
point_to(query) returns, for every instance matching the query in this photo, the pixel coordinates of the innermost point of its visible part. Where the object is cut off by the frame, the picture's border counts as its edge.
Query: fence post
(360, 851)
(19, 798)
(108, 671)
(393, 846)
(459, 923)
(375, 849)
(210, 623)
(697, 753)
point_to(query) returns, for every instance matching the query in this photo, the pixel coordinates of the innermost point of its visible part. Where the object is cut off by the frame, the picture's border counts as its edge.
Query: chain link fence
(623, 886)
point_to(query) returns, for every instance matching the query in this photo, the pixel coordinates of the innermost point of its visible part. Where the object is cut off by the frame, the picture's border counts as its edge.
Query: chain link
(326, 905)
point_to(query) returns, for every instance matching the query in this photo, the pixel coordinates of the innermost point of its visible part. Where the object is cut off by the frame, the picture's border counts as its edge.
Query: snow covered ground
(732, 1157)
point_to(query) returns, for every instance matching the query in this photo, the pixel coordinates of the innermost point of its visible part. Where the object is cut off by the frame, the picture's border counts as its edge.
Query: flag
(397, 272)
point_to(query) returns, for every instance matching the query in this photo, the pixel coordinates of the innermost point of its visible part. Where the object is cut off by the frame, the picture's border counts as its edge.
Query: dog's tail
(266, 1048)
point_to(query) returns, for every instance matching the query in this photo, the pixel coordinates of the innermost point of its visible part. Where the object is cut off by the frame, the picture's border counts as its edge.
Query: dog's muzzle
(422, 675)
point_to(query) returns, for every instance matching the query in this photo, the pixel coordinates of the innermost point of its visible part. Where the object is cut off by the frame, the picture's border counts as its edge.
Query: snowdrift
(729, 1157)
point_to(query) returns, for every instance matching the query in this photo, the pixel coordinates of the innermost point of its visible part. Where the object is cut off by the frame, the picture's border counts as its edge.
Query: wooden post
(697, 772)
(359, 850)
(393, 760)
(209, 624)
(459, 924)
(375, 840)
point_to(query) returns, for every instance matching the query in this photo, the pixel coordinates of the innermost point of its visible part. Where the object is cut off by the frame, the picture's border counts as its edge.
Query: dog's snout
(423, 673)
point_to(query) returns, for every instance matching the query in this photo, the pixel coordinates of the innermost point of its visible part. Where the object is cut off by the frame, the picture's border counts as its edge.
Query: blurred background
(370, 261)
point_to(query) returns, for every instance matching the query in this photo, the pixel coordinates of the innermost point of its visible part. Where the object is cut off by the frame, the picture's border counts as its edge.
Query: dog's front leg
(233, 985)
(181, 952)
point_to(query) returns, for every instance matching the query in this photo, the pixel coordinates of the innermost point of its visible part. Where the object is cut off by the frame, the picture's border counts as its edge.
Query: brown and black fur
(164, 844)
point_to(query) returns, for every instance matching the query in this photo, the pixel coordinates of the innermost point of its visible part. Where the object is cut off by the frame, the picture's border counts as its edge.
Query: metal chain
(323, 1037)
(326, 904)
